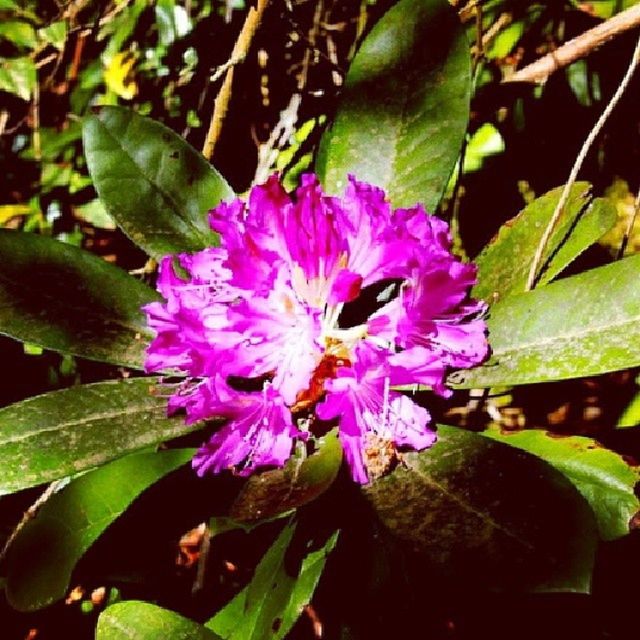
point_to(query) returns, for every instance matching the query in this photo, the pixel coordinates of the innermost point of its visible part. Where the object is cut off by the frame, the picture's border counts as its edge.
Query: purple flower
(263, 326)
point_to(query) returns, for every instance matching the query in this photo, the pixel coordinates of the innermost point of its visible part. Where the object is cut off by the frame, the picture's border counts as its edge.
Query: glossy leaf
(580, 326)
(269, 606)
(271, 493)
(503, 266)
(64, 432)
(135, 620)
(43, 556)
(154, 185)
(65, 299)
(487, 514)
(604, 479)
(405, 106)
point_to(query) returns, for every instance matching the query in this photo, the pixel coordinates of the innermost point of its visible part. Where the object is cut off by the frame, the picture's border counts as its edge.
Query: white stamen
(385, 406)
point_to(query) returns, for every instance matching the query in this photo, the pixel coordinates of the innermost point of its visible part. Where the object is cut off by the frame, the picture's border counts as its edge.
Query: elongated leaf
(47, 549)
(604, 479)
(405, 106)
(302, 480)
(503, 266)
(61, 433)
(272, 602)
(488, 514)
(65, 299)
(153, 184)
(135, 620)
(579, 326)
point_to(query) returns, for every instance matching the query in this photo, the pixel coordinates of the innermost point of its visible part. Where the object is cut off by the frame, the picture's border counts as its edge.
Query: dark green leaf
(604, 479)
(61, 433)
(271, 493)
(47, 549)
(488, 514)
(269, 606)
(580, 326)
(65, 299)
(503, 266)
(405, 106)
(135, 620)
(154, 185)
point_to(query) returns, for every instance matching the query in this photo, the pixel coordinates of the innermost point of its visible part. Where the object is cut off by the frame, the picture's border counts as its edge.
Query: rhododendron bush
(285, 361)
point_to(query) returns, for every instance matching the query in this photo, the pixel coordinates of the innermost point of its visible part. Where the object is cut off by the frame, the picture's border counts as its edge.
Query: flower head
(310, 311)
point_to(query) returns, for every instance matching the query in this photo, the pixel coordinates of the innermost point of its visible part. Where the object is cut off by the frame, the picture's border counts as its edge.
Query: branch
(577, 48)
(240, 50)
(624, 83)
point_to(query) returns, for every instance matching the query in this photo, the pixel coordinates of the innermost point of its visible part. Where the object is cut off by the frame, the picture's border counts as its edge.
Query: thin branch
(579, 47)
(239, 53)
(280, 135)
(578, 164)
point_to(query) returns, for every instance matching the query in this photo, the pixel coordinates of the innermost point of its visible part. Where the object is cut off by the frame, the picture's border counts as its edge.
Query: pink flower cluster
(260, 324)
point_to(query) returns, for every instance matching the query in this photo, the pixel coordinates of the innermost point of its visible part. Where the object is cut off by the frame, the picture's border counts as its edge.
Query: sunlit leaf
(54, 34)
(63, 432)
(18, 76)
(604, 479)
(580, 326)
(503, 266)
(405, 106)
(135, 620)
(20, 33)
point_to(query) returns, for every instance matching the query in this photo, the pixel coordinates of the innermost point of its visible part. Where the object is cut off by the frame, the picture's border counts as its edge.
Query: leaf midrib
(166, 196)
(96, 417)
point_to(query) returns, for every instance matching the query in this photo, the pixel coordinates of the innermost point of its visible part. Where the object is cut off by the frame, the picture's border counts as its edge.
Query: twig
(37, 147)
(240, 50)
(281, 133)
(537, 259)
(31, 512)
(577, 48)
(205, 546)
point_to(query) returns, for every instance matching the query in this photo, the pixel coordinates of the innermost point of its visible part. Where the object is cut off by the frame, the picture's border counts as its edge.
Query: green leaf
(68, 300)
(503, 266)
(64, 432)
(631, 415)
(302, 480)
(42, 557)
(604, 479)
(405, 106)
(153, 184)
(135, 620)
(486, 141)
(20, 33)
(487, 514)
(580, 326)
(18, 76)
(269, 606)
(55, 34)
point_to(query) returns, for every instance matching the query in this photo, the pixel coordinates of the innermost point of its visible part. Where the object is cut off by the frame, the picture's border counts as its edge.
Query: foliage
(106, 104)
